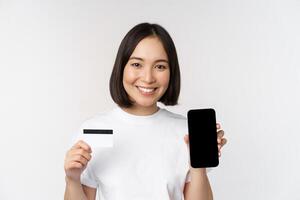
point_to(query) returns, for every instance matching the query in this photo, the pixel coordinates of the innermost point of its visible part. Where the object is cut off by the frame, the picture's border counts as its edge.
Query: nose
(148, 76)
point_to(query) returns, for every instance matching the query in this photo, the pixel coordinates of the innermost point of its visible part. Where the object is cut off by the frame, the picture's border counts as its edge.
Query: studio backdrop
(239, 57)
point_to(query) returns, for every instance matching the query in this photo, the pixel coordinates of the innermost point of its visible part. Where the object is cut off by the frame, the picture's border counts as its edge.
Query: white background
(240, 57)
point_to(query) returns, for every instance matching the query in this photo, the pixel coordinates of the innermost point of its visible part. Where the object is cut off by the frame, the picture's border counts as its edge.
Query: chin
(145, 103)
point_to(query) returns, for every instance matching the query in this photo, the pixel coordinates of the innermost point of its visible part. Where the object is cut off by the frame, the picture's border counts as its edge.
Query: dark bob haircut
(127, 46)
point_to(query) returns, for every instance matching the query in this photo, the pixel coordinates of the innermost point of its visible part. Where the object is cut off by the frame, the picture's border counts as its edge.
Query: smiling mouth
(146, 90)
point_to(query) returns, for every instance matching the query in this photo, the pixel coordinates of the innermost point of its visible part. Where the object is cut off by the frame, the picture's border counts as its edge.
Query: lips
(146, 90)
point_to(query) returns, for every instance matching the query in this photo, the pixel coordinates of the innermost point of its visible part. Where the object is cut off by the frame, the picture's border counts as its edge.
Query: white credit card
(97, 137)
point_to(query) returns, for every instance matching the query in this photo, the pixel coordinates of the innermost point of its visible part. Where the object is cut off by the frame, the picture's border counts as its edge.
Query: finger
(77, 145)
(224, 141)
(80, 159)
(75, 165)
(83, 145)
(83, 153)
(220, 134)
(218, 126)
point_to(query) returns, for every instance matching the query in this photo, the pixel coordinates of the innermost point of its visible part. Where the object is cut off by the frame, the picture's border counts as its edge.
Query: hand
(221, 141)
(76, 160)
(220, 134)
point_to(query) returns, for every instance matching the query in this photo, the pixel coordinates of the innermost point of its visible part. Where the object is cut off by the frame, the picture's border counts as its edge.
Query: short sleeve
(188, 175)
(88, 178)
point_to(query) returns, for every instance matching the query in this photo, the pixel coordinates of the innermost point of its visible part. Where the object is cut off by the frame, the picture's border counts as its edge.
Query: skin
(147, 67)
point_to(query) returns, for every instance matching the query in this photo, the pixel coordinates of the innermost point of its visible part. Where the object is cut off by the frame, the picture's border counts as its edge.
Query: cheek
(128, 76)
(164, 79)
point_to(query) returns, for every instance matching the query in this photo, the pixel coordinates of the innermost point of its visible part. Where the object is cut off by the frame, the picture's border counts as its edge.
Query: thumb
(186, 139)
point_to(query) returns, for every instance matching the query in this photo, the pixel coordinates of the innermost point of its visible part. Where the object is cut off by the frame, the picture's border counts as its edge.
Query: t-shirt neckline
(126, 115)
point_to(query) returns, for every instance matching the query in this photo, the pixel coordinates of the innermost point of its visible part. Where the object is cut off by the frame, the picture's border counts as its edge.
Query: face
(146, 74)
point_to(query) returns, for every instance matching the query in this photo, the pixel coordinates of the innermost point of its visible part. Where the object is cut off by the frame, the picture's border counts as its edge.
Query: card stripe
(97, 131)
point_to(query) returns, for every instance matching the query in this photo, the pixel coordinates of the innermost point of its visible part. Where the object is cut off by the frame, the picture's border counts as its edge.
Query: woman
(150, 158)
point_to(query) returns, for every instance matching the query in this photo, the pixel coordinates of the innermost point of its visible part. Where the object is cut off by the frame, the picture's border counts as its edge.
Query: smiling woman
(149, 159)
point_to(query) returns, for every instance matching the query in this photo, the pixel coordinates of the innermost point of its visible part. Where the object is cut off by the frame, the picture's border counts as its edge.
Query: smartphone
(203, 138)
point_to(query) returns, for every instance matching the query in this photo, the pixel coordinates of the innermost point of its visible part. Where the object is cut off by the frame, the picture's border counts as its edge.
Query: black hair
(127, 46)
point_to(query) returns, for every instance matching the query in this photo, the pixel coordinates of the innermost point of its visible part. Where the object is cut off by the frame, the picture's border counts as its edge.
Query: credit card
(97, 138)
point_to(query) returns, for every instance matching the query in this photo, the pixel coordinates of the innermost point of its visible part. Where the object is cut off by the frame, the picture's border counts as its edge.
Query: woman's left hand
(220, 138)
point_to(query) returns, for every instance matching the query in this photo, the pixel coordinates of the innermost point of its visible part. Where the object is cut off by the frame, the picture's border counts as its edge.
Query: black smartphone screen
(203, 138)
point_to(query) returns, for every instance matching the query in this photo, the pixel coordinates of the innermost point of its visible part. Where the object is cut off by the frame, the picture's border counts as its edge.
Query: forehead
(150, 48)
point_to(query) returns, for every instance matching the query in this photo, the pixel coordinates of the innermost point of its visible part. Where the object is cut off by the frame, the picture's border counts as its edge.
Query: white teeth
(147, 90)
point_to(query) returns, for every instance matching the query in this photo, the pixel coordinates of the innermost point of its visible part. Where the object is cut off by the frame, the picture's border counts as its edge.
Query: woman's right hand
(76, 160)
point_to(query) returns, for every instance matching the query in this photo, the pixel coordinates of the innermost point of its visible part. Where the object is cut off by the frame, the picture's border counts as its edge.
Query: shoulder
(175, 119)
(175, 116)
(97, 119)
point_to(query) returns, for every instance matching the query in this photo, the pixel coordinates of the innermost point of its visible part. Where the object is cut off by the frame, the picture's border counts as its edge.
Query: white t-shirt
(149, 159)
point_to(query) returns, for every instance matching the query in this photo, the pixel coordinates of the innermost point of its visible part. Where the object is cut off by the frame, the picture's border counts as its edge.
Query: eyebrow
(141, 59)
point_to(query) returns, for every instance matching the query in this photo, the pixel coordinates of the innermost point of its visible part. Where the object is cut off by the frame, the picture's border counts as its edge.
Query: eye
(135, 64)
(161, 67)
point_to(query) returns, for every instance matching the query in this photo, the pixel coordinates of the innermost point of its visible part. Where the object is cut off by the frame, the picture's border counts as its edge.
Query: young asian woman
(150, 158)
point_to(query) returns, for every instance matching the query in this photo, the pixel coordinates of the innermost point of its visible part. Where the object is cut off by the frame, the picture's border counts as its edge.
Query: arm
(199, 187)
(76, 191)
(76, 161)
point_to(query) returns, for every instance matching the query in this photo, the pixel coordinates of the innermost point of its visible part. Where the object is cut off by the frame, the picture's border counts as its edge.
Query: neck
(139, 110)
